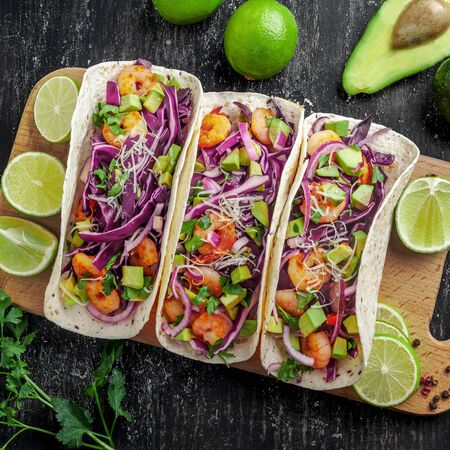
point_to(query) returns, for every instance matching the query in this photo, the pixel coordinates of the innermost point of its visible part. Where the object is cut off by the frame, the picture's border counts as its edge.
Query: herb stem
(39, 391)
(102, 417)
(101, 443)
(13, 437)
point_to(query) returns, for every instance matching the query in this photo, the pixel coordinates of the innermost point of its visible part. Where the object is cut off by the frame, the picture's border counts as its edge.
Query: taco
(233, 189)
(328, 255)
(130, 134)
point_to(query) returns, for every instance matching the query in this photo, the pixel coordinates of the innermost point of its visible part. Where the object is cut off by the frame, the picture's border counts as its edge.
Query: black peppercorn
(447, 369)
(415, 343)
(433, 405)
(445, 394)
(436, 398)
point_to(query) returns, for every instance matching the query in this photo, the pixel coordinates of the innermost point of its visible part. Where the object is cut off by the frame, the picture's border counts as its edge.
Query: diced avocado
(328, 172)
(277, 125)
(260, 212)
(375, 64)
(239, 274)
(256, 234)
(316, 214)
(165, 179)
(197, 200)
(255, 169)
(174, 82)
(245, 158)
(360, 238)
(68, 288)
(191, 295)
(351, 268)
(231, 162)
(76, 240)
(295, 227)
(233, 312)
(312, 319)
(178, 260)
(161, 164)
(161, 78)
(275, 327)
(349, 159)
(173, 154)
(248, 328)
(361, 197)
(199, 166)
(339, 348)
(230, 301)
(333, 193)
(133, 276)
(153, 101)
(185, 335)
(295, 342)
(340, 127)
(130, 102)
(338, 254)
(351, 325)
(142, 98)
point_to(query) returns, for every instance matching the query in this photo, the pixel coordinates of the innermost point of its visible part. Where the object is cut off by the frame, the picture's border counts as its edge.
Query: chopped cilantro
(223, 355)
(213, 348)
(188, 226)
(179, 319)
(291, 370)
(303, 299)
(233, 289)
(109, 283)
(112, 165)
(204, 222)
(377, 175)
(102, 176)
(118, 186)
(288, 319)
(193, 244)
(324, 160)
(202, 295)
(211, 304)
(111, 262)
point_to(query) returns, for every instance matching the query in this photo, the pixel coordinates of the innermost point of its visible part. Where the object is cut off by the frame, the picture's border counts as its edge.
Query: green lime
(382, 327)
(441, 88)
(185, 12)
(422, 215)
(33, 184)
(392, 373)
(389, 314)
(54, 107)
(25, 247)
(260, 39)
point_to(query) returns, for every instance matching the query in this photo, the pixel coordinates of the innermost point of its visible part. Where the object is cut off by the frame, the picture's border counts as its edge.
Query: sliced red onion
(229, 142)
(213, 173)
(175, 331)
(318, 125)
(307, 195)
(273, 367)
(144, 62)
(158, 222)
(354, 352)
(194, 275)
(213, 238)
(173, 281)
(324, 149)
(199, 346)
(288, 256)
(298, 356)
(292, 242)
(120, 317)
(239, 244)
(339, 312)
(211, 187)
(350, 290)
(248, 143)
(112, 93)
(280, 141)
(245, 110)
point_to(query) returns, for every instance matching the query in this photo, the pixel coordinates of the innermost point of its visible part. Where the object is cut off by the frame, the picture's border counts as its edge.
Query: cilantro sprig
(76, 423)
(291, 370)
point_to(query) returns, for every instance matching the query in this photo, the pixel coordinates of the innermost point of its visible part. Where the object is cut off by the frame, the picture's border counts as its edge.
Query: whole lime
(260, 39)
(185, 12)
(441, 89)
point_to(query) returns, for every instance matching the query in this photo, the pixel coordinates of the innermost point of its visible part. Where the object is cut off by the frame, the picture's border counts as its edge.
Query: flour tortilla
(92, 92)
(243, 348)
(371, 268)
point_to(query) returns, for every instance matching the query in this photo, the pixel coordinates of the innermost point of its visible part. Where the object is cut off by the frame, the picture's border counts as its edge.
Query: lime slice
(423, 215)
(382, 327)
(33, 184)
(392, 373)
(389, 314)
(54, 107)
(25, 247)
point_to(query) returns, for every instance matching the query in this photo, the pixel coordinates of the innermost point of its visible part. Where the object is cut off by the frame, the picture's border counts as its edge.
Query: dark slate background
(178, 403)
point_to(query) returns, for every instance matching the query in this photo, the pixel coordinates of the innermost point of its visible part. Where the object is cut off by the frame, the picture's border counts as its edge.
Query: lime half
(25, 247)
(54, 107)
(392, 373)
(423, 215)
(33, 184)
(382, 327)
(389, 314)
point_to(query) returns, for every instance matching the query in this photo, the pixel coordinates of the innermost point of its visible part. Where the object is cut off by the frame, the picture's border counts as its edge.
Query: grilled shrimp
(317, 345)
(287, 299)
(210, 278)
(145, 255)
(260, 127)
(309, 274)
(227, 234)
(320, 138)
(132, 123)
(106, 304)
(214, 129)
(211, 327)
(84, 268)
(80, 215)
(136, 80)
(174, 308)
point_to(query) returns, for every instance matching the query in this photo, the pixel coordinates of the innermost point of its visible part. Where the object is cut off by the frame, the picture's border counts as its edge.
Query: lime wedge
(25, 247)
(392, 373)
(389, 314)
(54, 107)
(423, 215)
(382, 327)
(33, 184)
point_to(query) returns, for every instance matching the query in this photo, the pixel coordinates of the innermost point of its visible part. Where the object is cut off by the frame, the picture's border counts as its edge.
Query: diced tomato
(331, 319)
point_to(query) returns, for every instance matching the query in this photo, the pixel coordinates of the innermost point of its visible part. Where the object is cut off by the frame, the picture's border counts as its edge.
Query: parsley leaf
(116, 393)
(291, 370)
(204, 222)
(202, 295)
(193, 244)
(112, 164)
(109, 283)
(117, 187)
(111, 262)
(223, 355)
(211, 304)
(303, 299)
(377, 175)
(234, 289)
(188, 226)
(323, 161)
(213, 348)
(102, 176)
(288, 319)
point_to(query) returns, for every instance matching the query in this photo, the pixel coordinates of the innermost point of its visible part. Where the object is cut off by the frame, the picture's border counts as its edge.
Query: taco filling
(313, 310)
(217, 272)
(114, 245)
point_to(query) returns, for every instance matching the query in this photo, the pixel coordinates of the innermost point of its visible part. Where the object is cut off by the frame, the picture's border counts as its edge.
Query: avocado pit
(421, 21)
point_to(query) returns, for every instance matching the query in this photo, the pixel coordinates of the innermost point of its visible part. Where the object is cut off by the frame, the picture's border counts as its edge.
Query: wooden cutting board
(410, 281)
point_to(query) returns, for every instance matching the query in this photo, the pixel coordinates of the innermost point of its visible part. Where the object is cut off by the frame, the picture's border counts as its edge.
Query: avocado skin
(441, 89)
(374, 65)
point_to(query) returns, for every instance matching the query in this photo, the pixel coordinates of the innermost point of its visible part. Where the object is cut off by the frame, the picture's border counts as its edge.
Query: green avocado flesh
(374, 64)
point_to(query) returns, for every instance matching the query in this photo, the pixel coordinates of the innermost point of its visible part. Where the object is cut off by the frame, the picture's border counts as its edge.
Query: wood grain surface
(178, 403)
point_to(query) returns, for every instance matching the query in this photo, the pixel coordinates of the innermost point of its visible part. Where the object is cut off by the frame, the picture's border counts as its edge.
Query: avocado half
(374, 64)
